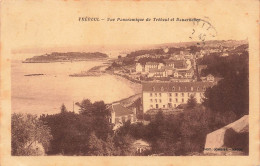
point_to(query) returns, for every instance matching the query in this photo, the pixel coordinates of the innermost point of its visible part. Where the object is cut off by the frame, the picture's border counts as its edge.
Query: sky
(28, 26)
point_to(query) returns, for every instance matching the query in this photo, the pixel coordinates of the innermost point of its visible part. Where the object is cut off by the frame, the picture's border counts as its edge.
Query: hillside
(63, 57)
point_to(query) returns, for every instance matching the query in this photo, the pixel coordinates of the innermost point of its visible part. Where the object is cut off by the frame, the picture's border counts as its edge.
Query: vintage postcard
(129, 83)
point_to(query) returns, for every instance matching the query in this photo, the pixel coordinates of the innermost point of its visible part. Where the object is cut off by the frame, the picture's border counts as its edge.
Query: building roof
(152, 63)
(120, 110)
(177, 63)
(210, 75)
(169, 62)
(176, 86)
(154, 70)
(167, 68)
(141, 142)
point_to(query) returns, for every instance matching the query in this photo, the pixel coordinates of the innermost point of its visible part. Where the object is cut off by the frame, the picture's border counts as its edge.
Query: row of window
(173, 88)
(164, 106)
(170, 100)
(170, 94)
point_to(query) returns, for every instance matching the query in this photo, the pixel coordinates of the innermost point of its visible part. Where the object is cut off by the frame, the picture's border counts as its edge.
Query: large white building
(168, 95)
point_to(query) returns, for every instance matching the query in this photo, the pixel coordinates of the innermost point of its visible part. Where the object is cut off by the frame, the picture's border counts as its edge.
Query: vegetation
(69, 56)
(27, 130)
(192, 102)
(232, 92)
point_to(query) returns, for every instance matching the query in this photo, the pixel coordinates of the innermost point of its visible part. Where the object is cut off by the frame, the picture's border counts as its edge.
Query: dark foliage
(192, 102)
(57, 56)
(27, 130)
(231, 93)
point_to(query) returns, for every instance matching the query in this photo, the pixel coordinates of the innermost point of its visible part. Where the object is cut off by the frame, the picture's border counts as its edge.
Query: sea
(44, 94)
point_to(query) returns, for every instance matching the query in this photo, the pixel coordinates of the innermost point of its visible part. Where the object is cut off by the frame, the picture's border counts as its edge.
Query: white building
(139, 68)
(120, 114)
(153, 65)
(169, 95)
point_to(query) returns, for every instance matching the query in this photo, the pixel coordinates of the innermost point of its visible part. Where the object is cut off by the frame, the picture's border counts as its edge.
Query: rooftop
(152, 63)
(120, 110)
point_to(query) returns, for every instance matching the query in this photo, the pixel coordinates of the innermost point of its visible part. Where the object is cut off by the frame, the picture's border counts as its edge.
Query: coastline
(79, 60)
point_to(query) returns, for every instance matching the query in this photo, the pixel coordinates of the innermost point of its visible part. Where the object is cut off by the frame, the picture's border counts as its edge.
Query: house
(141, 146)
(153, 65)
(224, 54)
(180, 64)
(120, 114)
(168, 95)
(159, 73)
(169, 70)
(139, 68)
(210, 78)
(169, 63)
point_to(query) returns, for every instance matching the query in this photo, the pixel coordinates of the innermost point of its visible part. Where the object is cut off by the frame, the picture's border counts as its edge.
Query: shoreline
(133, 86)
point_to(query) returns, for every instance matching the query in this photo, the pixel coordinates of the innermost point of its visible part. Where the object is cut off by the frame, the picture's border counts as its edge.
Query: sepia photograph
(171, 99)
(85, 81)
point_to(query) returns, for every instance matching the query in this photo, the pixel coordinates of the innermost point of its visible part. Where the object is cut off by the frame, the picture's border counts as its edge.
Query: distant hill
(68, 56)
(182, 46)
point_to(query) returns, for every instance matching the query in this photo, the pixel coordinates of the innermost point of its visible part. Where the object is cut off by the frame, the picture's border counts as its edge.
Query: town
(189, 92)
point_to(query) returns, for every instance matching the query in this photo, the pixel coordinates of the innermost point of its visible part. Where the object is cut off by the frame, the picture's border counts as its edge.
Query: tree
(85, 107)
(109, 147)
(63, 108)
(194, 128)
(28, 130)
(95, 146)
(230, 94)
(124, 145)
(70, 133)
(192, 102)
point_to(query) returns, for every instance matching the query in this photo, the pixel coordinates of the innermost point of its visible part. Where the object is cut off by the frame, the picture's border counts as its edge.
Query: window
(151, 100)
(160, 94)
(156, 100)
(182, 94)
(188, 94)
(170, 94)
(153, 88)
(176, 94)
(151, 106)
(162, 89)
(176, 100)
(198, 88)
(170, 100)
(182, 100)
(169, 105)
(160, 100)
(151, 94)
(204, 88)
(173, 88)
(163, 106)
(155, 94)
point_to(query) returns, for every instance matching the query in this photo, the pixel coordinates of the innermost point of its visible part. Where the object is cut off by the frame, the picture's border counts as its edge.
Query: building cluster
(170, 82)
(171, 68)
